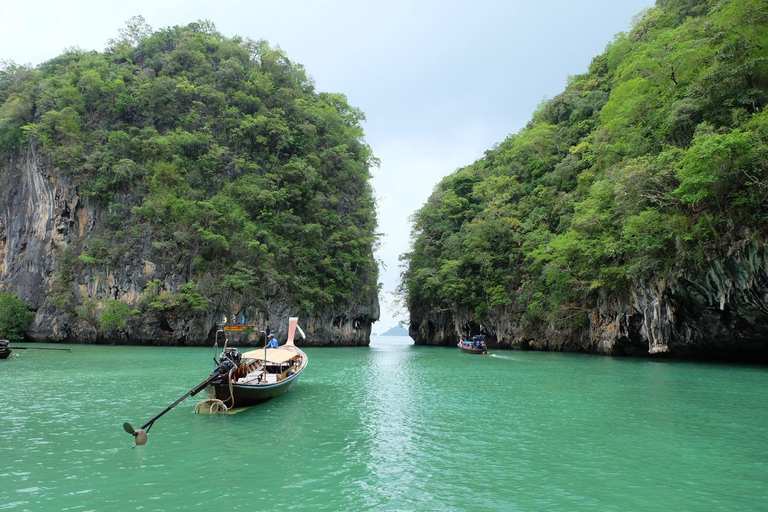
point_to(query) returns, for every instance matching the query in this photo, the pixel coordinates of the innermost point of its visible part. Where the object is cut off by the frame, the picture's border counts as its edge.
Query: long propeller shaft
(140, 434)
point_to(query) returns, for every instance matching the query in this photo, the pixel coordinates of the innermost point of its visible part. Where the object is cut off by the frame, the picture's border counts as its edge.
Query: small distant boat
(258, 375)
(5, 349)
(474, 346)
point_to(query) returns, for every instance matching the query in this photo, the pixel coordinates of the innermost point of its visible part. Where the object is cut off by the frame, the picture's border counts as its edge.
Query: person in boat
(272, 341)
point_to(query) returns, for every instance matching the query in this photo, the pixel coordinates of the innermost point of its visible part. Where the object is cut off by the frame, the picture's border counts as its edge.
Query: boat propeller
(140, 435)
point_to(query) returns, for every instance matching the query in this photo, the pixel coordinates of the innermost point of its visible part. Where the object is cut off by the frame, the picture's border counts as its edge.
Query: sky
(440, 82)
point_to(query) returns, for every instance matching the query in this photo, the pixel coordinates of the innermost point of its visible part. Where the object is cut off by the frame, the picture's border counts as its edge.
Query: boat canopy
(239, 328)
(274, 355)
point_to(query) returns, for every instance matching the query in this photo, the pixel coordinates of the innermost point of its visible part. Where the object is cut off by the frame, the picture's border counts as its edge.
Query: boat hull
(5, 349)
(472, 350)
(244, 395)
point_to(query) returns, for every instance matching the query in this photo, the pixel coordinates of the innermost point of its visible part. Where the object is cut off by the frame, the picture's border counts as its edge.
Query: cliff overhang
(719, 313)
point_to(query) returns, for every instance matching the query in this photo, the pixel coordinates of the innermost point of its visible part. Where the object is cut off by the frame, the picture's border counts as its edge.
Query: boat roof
(274, 355)
(239, 328)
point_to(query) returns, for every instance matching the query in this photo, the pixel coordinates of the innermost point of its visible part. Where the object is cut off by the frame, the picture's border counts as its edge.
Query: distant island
(398, 330)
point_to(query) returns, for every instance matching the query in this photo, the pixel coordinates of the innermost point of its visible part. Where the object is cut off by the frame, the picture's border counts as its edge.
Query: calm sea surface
(392, 426)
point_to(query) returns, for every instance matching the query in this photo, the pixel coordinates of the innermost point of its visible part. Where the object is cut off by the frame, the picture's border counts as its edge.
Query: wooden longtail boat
(258, 375)
(5, 349)
(240, 380)
(474, 346)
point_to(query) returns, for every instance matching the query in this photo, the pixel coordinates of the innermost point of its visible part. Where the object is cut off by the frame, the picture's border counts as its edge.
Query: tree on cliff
(15, 316)
(212, 157)
(645, 165)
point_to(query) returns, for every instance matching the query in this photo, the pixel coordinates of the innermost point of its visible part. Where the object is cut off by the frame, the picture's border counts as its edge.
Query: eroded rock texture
(44, 221)
(721, 313)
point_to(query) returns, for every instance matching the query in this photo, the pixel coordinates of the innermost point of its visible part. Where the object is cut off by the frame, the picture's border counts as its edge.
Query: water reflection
(390, 418)
(391, 343)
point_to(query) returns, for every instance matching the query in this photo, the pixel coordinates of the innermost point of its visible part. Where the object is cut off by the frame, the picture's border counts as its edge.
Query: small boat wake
(497, 356)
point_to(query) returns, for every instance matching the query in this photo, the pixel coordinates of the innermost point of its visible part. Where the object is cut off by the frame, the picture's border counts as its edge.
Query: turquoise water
(392, 426)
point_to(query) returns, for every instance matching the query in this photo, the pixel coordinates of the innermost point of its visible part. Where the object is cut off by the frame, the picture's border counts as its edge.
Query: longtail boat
(258, 375)
(5, 349)
(474, 346)
(240, 380)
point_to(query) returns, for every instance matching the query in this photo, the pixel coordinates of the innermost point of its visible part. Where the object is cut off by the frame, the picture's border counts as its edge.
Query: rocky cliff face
(720, 314)
(44, 221)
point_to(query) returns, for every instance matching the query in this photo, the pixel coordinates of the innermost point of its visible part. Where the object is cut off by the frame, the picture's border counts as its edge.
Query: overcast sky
(440, 82)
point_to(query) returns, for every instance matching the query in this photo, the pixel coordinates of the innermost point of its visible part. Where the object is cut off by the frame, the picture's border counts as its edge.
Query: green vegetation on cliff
(215, 151)
(646, 164)
(15, 317)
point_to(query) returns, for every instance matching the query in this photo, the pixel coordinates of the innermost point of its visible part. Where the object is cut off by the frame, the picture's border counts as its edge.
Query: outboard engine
(230, 359)
(232, 354)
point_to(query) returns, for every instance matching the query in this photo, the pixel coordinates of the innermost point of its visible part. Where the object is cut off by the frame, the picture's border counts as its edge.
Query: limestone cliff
(629, 216)
(720, 313)
(44, 221)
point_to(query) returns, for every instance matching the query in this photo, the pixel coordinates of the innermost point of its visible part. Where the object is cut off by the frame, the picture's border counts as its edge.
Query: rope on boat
(231, 391)
(210, 406)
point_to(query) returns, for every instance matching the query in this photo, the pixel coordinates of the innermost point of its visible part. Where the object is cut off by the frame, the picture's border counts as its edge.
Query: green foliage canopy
(15, 316)
(645, 164)
(216, 151)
